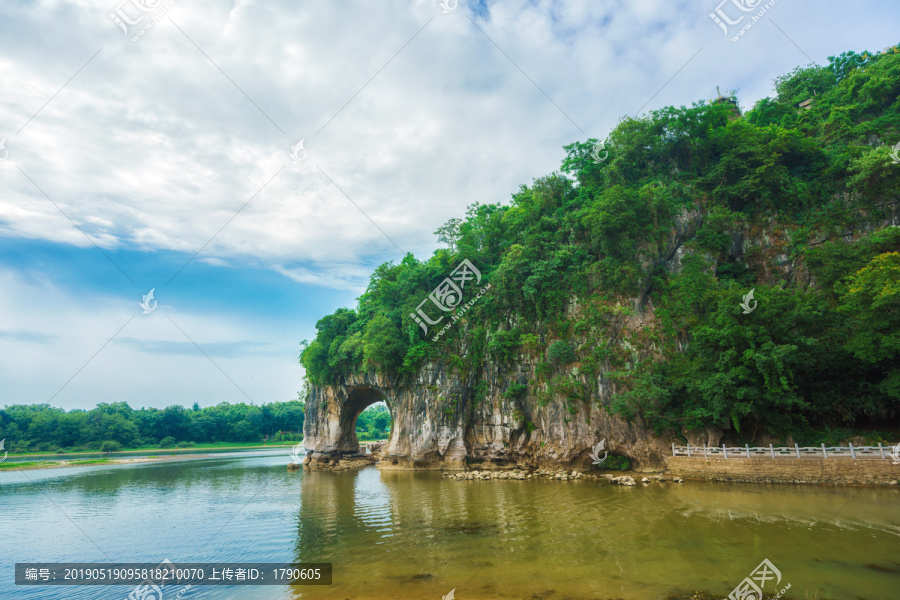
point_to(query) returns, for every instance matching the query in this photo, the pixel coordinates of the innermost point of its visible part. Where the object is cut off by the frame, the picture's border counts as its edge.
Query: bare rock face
(623, 480)
(376, 449)
(337, 462)
(708, 436)
(438, 423)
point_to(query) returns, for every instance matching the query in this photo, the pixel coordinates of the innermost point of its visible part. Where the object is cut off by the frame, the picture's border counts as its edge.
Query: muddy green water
(411, 535)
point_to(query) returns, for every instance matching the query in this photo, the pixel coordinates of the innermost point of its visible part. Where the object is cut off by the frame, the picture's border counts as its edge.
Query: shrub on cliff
(516, 391)
(561, 353)
(614, 462)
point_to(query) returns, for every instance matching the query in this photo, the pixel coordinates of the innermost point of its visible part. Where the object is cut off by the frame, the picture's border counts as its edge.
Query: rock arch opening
(359, 400)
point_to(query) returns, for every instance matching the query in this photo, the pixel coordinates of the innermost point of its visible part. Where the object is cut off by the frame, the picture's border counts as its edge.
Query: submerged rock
(375, 449)
(623, 480)
(341, 462)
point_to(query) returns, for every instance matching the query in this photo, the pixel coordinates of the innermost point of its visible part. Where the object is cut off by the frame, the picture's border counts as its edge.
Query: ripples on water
(411, 535)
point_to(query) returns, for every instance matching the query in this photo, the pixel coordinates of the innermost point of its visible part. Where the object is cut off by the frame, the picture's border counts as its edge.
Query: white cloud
(74, 351)
(150, 146)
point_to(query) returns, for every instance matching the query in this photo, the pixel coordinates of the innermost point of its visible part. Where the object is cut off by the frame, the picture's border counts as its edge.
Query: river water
(404, 535)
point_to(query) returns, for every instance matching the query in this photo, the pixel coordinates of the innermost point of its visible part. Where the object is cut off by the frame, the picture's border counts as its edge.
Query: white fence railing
(851, 452)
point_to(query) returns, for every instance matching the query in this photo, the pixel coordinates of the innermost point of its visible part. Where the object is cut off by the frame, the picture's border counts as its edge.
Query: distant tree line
(111, 426)
(374, 423)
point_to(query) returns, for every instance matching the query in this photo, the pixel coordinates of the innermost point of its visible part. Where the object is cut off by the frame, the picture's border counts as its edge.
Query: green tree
(449, 233)
(110, 446)
(244, 431)
(384, 346)
(803, 83)
(872, 300)
(561, 353)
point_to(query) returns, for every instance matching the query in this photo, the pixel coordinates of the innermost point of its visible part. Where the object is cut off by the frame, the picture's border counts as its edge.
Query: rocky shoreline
(678, 468)
(548, 474)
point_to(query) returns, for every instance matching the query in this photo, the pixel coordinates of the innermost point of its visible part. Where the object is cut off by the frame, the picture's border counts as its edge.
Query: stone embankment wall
(785, 470)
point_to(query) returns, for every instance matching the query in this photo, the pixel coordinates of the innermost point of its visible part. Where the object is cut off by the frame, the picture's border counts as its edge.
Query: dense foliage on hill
(42, 427)
(817, 352)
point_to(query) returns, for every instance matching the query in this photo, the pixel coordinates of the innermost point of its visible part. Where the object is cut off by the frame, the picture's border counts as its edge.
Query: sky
(251, 162)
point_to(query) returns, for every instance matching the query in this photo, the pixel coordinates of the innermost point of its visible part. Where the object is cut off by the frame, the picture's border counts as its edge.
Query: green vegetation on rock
(693, 207)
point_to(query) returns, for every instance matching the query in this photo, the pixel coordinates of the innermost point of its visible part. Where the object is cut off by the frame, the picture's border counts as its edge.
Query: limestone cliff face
(438, 423)
(447, 419)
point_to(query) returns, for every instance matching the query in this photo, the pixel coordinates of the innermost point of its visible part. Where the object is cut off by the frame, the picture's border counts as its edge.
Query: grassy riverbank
(168, 454)
(47, 464)
(151, 448)
(52, 464)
